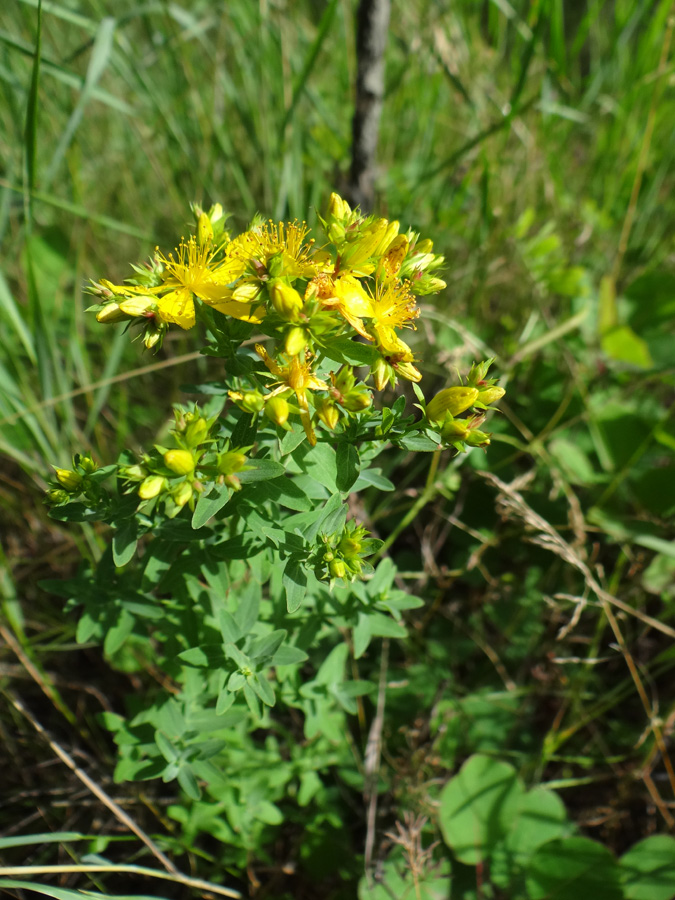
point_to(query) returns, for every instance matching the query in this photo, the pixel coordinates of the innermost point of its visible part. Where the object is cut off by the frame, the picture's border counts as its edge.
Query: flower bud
(277, 410)
(151, 486)
(56, 496)
(425, 246)
(491, 394)
(357, 400)
(454, 430)
(336, 233)
(338, 208)
(477, 438)
(408, 371)
(153, 336)
(204, 230)
(138, 306)
(231, 462)
(85, 462)
(337, 569)
(249, 401)
(295, 341)
(382, 373)
(110, 314)
(182, 462)
(182, 494)
(286, 301)
(196, 432)
(349, 546)
(345, 380)
(70, 480)
(327, 412)
(453, 400)
(133, 473)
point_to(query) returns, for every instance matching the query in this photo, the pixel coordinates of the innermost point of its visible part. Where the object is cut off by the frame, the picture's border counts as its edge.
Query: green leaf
(268, 645)
(420, 443)
(541, 817)
(348, 466)
(573, 868)
(478, 807)
(294, 581)
(119, 632)
(288, 655)
(228, 627)
(166, 748)
(124, 542)
(209, 503)
(623, 345)
(263, 689)
(263, 470)
(186, 779)
(648, 869)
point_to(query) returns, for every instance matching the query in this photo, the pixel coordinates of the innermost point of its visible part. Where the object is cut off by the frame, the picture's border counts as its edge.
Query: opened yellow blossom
(344, 294)
(277, 250)
(194, 273)
(299, 378)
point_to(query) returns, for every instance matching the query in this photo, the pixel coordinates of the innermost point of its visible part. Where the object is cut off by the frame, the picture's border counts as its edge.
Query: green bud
(138, 306)
(345, 380)
(85, 462)
(133, 473)
(231, 462)
(477, 439)
(490, 395)
(382, 374)
(454, 429)
(327, 412)
(357, 400)
(70, 480)
(408, 371)
(204, 230)
(295, 341)
(249, 401)
(56, 496)
(182, 494)
(151, 486)
(337, 569)
(182, 462)
(277, 410)
(453, 400)
(196, 432)
(110, 314)
(286, 301)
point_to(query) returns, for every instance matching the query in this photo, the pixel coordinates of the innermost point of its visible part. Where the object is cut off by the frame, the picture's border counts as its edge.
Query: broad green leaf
(347, 461)
(541, 817)
(209, 503)
(623, 345)
(478, 807)
(124, 542)
(262, 470)
(573, 868)
(295, 584)
(648, 869)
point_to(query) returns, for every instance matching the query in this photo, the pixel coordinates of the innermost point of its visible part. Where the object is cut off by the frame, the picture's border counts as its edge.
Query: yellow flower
(346, 295)
(193, 272)
(277, 250)
(393, 307)
(299, 377)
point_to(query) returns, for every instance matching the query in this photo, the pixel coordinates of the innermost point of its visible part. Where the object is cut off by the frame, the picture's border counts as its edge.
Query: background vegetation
(535, 143)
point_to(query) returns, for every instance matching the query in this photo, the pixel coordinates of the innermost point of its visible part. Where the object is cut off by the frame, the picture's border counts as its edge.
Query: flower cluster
(193, 459)
(360, 286)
